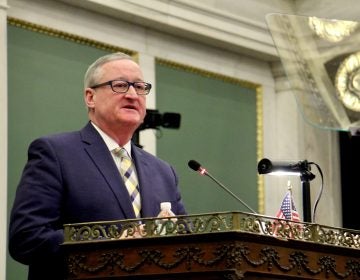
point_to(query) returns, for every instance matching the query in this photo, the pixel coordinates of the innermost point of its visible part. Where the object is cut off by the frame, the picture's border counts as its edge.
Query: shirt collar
(110, 142)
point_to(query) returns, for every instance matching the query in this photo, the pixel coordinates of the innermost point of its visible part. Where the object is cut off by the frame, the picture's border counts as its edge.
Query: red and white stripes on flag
(287, 212)
(287, 209)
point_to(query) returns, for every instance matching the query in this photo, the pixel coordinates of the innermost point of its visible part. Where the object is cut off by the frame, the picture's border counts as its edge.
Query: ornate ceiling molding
(191, 20)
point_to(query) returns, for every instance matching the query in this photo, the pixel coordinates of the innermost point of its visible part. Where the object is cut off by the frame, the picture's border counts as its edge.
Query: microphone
(194, 165)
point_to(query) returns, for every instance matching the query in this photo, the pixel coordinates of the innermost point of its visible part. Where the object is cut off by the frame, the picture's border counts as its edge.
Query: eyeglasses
(118, 86)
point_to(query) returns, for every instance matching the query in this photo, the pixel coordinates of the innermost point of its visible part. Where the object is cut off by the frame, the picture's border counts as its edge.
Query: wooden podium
(212, 246)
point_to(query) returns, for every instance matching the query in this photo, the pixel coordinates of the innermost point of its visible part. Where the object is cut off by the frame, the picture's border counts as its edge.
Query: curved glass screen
(321, 58)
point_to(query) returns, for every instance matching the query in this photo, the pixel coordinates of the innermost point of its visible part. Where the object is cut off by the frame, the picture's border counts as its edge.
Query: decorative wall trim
(259, 111)
(259, 147)
(206, 73)
(68, 36)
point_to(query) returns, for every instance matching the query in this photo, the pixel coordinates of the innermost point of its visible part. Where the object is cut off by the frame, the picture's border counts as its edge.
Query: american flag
(287, 209)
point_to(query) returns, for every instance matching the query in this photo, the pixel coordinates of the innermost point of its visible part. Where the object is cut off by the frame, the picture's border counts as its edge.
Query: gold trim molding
(206, 73)
(67, 36)
(259, 112)
(260, 148)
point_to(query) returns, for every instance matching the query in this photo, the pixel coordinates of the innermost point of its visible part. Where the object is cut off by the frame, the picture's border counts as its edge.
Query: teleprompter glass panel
(321, 58)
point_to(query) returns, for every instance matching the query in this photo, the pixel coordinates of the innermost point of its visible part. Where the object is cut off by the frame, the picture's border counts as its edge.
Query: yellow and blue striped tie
(128, 174)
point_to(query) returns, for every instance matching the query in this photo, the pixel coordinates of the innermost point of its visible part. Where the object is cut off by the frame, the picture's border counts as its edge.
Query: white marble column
(3, 138)
(147, 64)
(297, 140)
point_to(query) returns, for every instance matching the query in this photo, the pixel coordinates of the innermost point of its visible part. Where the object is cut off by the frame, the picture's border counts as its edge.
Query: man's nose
(131, 91)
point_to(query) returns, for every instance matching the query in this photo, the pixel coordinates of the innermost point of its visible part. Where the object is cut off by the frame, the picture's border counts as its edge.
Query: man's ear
(90, 97)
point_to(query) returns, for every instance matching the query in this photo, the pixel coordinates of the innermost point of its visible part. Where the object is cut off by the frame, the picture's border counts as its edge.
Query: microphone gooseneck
(194, 165)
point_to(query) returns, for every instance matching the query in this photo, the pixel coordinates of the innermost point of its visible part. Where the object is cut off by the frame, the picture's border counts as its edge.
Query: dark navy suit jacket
(71, 178)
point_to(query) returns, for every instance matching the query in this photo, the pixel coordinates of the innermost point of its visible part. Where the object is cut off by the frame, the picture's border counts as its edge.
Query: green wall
(218, 129)
(45, 96)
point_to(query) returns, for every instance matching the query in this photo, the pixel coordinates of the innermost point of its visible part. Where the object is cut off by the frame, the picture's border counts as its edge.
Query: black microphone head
(264, 166)
(194, 165)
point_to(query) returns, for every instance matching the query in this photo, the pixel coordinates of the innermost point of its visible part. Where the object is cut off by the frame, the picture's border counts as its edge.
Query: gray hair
(94, 71)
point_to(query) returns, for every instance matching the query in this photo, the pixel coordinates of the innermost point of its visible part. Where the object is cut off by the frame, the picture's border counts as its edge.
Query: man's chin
(131, 122)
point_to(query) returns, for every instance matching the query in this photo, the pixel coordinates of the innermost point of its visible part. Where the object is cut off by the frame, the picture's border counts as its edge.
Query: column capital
(3, 5)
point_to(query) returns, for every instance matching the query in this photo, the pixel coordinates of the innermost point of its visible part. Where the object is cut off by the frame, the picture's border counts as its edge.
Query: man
(74, 177)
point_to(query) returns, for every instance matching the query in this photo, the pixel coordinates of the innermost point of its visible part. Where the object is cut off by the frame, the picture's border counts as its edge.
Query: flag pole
(291, 197)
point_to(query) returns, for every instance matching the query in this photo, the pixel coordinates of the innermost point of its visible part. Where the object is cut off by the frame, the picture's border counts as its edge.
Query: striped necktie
(127, 171)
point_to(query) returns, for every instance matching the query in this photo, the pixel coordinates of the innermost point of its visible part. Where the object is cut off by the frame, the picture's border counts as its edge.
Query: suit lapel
(100, 155)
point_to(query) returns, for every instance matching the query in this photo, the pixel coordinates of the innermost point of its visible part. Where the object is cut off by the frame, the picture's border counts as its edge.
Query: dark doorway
(350, 179)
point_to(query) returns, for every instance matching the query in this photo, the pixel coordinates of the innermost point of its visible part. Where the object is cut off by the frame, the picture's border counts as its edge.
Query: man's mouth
(130, 107)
